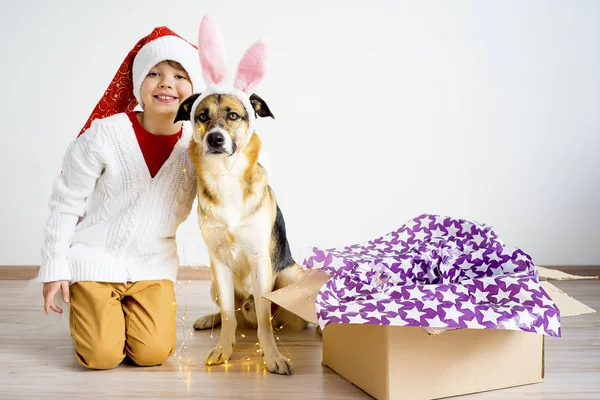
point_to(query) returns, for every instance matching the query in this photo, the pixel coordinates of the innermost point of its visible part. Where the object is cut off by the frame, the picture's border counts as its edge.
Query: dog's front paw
(207, 322)
(278, 364)
(219, 354)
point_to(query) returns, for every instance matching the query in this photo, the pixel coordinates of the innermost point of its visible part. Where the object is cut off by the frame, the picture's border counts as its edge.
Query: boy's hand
(50, 290)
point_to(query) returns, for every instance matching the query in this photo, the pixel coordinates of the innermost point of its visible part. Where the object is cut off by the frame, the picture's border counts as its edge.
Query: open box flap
(299, 298)
(554, 274)
(568, 306)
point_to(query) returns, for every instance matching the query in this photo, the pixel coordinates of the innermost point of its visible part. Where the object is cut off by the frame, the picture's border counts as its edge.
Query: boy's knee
(100, 357)
(150, 354)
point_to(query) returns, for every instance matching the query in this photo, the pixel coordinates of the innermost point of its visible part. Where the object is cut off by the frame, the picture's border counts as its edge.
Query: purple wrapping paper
(436, 272)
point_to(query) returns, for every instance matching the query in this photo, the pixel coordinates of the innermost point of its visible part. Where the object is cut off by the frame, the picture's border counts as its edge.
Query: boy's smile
(165, 98)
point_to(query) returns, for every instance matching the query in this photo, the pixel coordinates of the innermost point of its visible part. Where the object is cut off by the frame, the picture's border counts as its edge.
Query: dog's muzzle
(218, 143)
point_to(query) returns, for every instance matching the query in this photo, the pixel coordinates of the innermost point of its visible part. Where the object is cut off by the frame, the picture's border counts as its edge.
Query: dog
(242, 225)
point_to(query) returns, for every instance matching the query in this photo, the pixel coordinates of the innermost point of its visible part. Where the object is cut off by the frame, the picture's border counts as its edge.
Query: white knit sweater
(110, 221)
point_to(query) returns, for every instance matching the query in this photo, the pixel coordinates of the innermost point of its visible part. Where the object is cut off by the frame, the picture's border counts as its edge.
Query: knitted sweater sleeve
(81, 168)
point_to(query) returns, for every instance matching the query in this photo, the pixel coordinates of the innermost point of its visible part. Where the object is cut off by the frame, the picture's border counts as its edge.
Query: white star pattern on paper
(350, 293)
(509, 267)
(478, 239)
(336, 313)
(537, 310)
(532, 285)
(480, 297)
(477, 255)
(431, 304)
(465, 264)
(539, 329)
(392, 307)
(438, 219)
(452, 230)
(403, 236)
(483, 268)
(436, 322)
(415, 293)
(424, 222)
(399, 247)
(467, 248)
(437, 232)
(466, 227)
(509, 281)
(420, 235)
(553, 323)
(453, 313)
(490, 315)
(414, 313)
(375, 314)
(449, 296)
(523, 296)
(473, 324)
(487, 281)
(510, 324)
(493, 256)
(353, 307)
(467, 305)
(382, 246)
(525, 318)
(337, 262)
(502, 295)
(397, 320)
(547, 302)
(357, 319)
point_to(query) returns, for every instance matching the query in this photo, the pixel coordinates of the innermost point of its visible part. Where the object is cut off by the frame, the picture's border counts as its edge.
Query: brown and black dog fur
(242, 226)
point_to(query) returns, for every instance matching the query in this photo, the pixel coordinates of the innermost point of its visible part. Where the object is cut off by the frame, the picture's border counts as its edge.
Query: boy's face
(165, 87)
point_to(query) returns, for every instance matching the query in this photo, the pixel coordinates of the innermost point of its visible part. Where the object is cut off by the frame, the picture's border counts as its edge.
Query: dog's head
(221, 122)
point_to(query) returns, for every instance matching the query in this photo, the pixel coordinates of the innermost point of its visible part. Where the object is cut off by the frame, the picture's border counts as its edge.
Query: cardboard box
(402, 362)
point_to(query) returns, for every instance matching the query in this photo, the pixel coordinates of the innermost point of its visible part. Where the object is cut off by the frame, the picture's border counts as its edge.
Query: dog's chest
(230, 207)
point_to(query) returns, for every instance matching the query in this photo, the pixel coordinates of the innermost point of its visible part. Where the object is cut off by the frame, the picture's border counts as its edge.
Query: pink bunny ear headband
(250, 71)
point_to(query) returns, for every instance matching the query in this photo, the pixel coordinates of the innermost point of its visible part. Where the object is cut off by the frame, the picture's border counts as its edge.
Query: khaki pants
(111, 320)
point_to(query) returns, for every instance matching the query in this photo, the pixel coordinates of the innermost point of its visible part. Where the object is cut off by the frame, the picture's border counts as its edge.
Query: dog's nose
(215, 139)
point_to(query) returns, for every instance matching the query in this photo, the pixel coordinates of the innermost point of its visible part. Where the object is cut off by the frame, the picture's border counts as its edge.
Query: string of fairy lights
(187, 328)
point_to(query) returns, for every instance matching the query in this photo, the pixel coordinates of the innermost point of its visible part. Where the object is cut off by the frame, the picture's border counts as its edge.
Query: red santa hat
(123, 93)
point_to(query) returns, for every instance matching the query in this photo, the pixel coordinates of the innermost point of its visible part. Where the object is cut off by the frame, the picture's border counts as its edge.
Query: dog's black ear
(261, 109)
(183, 114)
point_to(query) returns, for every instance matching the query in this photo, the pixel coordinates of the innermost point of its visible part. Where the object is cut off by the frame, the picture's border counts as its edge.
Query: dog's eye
(203, 117)
(233, 116)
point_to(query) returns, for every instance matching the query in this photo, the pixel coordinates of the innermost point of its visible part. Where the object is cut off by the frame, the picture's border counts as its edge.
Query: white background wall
(385, 109)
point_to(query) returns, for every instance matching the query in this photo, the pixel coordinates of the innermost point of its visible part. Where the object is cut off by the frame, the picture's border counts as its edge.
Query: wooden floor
(37, 361)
